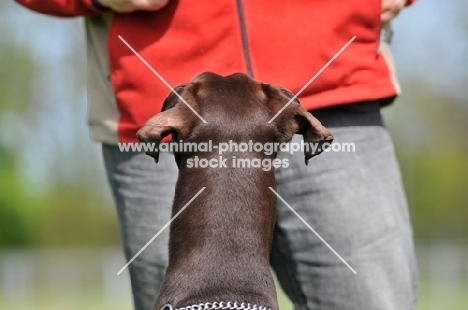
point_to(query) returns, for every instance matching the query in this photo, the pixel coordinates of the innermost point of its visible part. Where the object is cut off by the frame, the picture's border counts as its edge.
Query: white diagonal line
(161, 230)
(313, 78)
(313, 230)
(161, 78)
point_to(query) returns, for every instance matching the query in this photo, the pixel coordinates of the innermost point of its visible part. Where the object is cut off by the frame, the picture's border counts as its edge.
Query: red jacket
(284, 43)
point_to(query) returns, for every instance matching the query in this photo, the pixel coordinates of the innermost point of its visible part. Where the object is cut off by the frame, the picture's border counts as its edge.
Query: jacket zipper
(245, 44)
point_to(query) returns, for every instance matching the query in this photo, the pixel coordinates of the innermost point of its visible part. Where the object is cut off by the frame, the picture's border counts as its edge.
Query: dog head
(235, 107)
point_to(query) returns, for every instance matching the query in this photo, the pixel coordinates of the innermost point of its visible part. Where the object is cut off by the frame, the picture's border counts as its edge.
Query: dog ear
(294, 119)
(171, 120)
(315, 134)
(172, 99)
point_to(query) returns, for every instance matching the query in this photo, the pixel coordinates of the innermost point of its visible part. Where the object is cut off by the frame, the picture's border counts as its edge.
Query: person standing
(354, 200)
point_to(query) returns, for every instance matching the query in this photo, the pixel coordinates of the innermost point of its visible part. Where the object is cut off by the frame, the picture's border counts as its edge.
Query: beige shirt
(103, 114)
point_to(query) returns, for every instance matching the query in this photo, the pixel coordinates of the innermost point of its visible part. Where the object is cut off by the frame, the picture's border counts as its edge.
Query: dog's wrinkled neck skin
(220, 244)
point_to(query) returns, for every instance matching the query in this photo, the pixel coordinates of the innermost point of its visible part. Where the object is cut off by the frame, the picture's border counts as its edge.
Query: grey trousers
(354, 200)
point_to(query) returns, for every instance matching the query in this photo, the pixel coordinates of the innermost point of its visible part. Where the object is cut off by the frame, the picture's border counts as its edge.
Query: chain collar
(219, 306)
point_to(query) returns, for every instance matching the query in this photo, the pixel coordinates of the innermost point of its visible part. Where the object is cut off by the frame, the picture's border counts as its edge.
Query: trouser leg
(143, 192)
(356, 202)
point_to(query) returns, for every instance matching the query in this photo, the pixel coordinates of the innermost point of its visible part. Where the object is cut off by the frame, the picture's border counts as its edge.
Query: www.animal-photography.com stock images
(233, 154)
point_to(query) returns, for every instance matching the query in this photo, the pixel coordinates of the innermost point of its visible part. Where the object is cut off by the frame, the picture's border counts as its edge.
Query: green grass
(441, 296)
(435, 297)
(283, 300)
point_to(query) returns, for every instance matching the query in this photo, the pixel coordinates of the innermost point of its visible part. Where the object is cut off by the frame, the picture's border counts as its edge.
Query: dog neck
(220, 244)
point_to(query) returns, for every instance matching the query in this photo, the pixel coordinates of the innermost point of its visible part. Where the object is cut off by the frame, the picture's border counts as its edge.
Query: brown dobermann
(219, 246)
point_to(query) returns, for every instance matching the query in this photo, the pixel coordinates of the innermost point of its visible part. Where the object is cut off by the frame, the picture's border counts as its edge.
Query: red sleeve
(409, 2)
(61, 8)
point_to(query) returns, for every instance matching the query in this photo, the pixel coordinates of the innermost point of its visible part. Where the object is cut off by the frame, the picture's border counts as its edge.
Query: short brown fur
(219, 246)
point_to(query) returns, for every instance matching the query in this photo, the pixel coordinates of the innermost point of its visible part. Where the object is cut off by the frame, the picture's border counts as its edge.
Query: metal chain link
(224, 306)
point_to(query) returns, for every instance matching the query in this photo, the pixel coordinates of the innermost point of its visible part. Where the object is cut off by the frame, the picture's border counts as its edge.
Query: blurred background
(59, 242)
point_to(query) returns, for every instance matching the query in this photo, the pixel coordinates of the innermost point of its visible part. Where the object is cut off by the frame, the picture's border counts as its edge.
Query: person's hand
(390, 9)
(127, 6)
